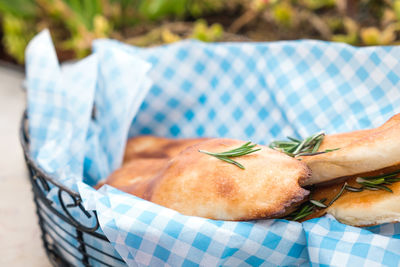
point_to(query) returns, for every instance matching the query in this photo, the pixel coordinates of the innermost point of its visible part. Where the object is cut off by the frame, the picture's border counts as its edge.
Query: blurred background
(75, 23)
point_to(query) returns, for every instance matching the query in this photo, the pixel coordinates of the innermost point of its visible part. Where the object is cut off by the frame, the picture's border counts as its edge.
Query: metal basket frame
(42, 183)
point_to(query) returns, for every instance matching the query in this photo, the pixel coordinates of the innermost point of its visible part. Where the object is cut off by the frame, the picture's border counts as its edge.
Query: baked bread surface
(148, 146)
(359, 152)
(198, 184)
(368, 207)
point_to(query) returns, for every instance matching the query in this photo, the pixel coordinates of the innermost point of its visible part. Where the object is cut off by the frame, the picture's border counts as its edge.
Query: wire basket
(68, 241)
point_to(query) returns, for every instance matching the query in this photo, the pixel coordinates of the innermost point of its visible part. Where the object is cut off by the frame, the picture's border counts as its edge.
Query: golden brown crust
(368, 207)
(144, 158)
(198, 184)
(135, 173)
(194, 183)
(360, 151)
(360, 208)
(147, 146)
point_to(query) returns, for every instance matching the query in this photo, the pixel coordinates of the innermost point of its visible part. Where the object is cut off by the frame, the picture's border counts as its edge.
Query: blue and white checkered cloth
(249, 91)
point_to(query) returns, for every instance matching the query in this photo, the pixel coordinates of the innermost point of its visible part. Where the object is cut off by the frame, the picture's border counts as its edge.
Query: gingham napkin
(249, 91)
(67, 137)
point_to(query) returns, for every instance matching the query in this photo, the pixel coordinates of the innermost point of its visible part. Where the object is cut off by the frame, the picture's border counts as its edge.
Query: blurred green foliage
(283, 13)
(207, 34)
(76, 23)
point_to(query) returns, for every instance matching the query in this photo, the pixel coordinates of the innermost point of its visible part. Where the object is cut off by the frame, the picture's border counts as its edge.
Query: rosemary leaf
(371, 188)
(331, 150)
(226, 156)
(306, 209)
(293, 139)
(354, 189)
(383, 187)
(302, 211)
(392, 174)
(306, 147)
(300, 146)
(392, 180)
(370, 181)
(302, 215)
(338, 195)
(317, 145)
(231, 162)
(318, 203)
(379, 182)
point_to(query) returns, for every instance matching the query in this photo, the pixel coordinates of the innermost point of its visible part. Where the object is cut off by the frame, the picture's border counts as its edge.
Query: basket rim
(24, 140)
(37, 173)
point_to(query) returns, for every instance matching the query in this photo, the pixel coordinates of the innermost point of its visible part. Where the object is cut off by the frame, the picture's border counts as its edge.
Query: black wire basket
(67, 239)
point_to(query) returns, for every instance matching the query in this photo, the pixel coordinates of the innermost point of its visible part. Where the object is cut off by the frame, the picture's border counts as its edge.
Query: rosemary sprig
(226, 156)
(311, 205)
(306, 209)
(374, 183)
(307, 147)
